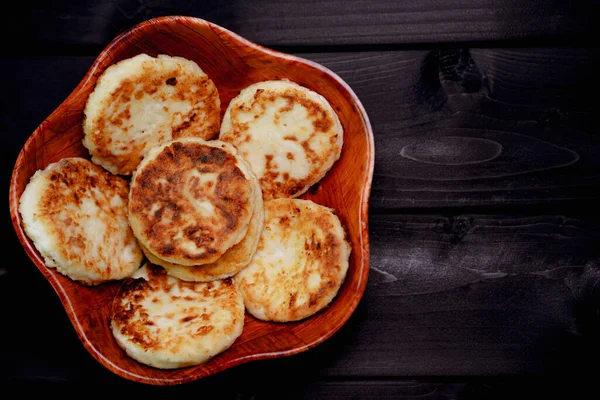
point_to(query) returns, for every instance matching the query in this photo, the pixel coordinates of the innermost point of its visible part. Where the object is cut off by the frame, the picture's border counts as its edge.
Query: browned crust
(232, 261)
(322, 122)
(133, 320)
(324, 250)
(161, 182)
(203, 121)
(68, 184)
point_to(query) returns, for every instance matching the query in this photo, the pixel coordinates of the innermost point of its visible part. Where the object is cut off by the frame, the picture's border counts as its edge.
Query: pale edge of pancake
(38, 233)
(198, 354)
(109, 81)
(256, 309)
(96, 101)
(247, 94)
(151, 155)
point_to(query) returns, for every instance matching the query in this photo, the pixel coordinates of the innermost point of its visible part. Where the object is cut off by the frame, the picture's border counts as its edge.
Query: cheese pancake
(191, 200)
(167, 323)
(75, 213)
(300, 264)
(143, 101)
(230, 263)
(290, 135)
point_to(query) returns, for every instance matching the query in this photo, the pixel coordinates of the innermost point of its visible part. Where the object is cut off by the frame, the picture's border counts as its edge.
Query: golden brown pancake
(230, 263)
(300, 264)
(167, 323)
(143, 101)
(191, 200)
(75, 213)
(290, 135)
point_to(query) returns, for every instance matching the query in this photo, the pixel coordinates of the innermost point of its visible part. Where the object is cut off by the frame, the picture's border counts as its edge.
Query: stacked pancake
(196, 208)
(193, 208)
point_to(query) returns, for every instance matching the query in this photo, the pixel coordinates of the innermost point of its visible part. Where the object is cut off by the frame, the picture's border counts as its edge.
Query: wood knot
(458, 72)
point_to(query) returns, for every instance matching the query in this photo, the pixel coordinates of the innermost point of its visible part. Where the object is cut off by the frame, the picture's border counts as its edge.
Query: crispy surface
(75, 213)
(290, 135)
(144, 101)
(300, 264)
(230, 263)
(167, 323)
(191, 200)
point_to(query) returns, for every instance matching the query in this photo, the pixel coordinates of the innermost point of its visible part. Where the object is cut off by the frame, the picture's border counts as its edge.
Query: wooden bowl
(233, 63)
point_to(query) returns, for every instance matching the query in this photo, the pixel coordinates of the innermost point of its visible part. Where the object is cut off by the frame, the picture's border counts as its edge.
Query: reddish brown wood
(233, 63)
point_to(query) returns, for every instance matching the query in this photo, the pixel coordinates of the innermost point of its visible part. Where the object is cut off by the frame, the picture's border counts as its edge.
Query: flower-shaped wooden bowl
(233, 63)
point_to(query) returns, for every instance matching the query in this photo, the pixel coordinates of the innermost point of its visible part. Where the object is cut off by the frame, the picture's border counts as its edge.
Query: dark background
(485, 237)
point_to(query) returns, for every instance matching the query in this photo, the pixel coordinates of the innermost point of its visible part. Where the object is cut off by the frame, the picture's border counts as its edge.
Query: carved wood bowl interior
(233, 63)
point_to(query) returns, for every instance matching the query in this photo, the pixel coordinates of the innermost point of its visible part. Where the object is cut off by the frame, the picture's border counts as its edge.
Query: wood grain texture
(315, 22)
(408, 389)
(233, 63)
(479, 294)
(464, 127)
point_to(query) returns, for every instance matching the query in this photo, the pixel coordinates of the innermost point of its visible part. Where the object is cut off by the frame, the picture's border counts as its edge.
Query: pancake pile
(217, 221)
(191, 205)
(231, 262)
(191, 200)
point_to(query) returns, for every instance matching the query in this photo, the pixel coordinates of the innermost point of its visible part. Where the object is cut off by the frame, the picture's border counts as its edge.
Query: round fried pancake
(167, 323)
(143, 101)
(230, 263)
(290, 135)
(75, 213)
(300, 264)
(191, 200)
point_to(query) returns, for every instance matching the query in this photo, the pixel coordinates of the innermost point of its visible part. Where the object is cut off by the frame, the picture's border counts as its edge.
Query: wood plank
(360, 389)
(432, 389)
(406, 389)
(452, 127)
(449, 295)
(459, 127)
(357, 389)
(313, 22)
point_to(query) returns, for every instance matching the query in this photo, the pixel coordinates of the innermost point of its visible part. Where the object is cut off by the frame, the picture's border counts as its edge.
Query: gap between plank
(61, 49)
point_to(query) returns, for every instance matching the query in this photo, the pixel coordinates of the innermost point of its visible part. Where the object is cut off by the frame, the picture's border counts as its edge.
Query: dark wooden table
(485, 235)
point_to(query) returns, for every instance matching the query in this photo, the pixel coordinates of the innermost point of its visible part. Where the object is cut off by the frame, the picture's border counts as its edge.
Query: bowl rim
(365, 191)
